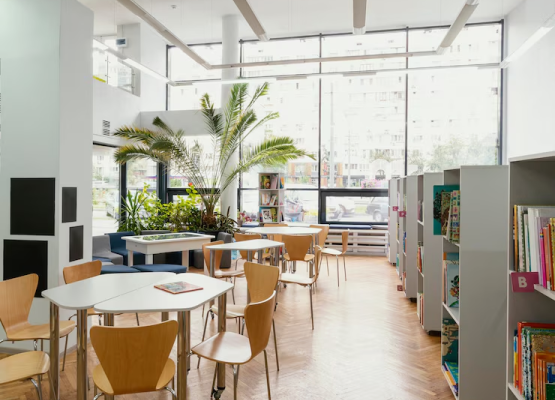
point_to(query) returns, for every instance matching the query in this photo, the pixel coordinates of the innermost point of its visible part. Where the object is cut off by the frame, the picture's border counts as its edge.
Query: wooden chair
(306, 281)
(78, 273)
(297, 249)
(323, 234)
(134, 360)
(25, 366)
(235, 349)
(219, 273)
(16, 298)
(337, 253)
(261, 283)
(277, 238)
(241, 237)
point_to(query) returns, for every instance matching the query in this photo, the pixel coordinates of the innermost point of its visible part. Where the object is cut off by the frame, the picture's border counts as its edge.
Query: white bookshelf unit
(430, 279)
(271, 186)
(401, 255)
(532, 182)
(483, 258)
(392, 222)
(411, 242)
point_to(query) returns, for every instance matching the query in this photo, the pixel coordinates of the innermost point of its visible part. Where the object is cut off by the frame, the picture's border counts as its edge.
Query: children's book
(454, 370)
(437, 207)
(178, 287)
(519, 348)
(454, 222)
(450, 289)
(265, 182)
(273, 200)
(274, 182)
(449, 341)
(282, 182)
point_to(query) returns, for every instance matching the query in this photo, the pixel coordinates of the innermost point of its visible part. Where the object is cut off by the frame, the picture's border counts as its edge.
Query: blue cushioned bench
(117, 269)
(176, 269)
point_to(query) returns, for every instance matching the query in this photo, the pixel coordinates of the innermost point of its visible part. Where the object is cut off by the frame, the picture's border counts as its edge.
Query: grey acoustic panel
(69, 204)
(32, 206)
(23, 257)
(75, 243)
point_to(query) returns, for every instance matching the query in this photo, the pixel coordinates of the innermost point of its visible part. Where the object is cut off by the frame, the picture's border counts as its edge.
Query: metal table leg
(165, 316)
(222, 304)
(183, 350)
(82, 374)
(108, 321)
(54, 350)
(212, 271)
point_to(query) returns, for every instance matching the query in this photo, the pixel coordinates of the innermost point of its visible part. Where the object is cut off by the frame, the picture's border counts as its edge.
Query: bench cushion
(117, 269)
(177, 269)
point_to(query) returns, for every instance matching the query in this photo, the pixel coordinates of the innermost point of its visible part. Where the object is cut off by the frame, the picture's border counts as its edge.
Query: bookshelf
(532, 182)
(401, 254)
(271, 197)
(411, 229)
(483, 258)
(392, 222)
(430, 280)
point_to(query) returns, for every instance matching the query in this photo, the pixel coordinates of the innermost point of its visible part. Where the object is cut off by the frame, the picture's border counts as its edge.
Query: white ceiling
(199, 21)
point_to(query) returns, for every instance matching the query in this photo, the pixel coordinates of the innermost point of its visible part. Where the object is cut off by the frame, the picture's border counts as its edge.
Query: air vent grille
(106, 128)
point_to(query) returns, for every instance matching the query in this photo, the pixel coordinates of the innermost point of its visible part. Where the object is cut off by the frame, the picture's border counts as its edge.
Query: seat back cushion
(101, 244)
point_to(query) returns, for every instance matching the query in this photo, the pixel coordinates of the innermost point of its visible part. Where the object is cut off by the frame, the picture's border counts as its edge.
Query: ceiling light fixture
(231, 81)
(457, 26)
(543, 30)
(249, 15)
(359, 17)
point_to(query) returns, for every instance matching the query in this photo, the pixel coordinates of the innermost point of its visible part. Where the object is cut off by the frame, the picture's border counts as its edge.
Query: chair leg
(267, 374)
(233, 294)
(311, 309)
(238, 325)
(275, 342)
(35, 345)
(37, 388)
(337, 259)
(344, 267)
(204, 334)
(214, 380)
(65, 352)
(137, 316)
(328, 265)
(235, 381)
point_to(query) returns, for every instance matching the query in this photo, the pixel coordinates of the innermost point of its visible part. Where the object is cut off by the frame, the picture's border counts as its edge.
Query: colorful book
(178, 287)
(451, 279)
(274, 182)
(453, 369)
(437, 206)
(449, 341)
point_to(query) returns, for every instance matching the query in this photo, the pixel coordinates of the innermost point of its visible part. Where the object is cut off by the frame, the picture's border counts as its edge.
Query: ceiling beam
(251, 18)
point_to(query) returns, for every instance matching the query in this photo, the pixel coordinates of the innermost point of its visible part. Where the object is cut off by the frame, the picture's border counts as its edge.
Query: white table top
(150, 299)
(256, 244)
(191, 237)
(282, 230)
(89, 292)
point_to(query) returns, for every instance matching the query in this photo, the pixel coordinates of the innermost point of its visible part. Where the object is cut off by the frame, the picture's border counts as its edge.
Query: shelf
(421, 273)
(421, 222)
(404, 253)
(398, 241)
(516, 392)
(268, 190)
(262, 205)
(545, 292)
(454, 312)
(449, 383)
(447, 240)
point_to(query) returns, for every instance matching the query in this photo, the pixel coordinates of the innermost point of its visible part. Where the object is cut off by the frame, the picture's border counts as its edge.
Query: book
(178, 287)
(282, 182)
(449, 341)
(453, 368)
(273, 200)
(454, 223)
(437, 206)
(273, 182)
(519, 349)
(265, 182)
(266, 214)
(451, 279)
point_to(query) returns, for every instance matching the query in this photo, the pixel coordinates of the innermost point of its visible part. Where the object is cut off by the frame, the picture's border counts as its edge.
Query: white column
(230, 54)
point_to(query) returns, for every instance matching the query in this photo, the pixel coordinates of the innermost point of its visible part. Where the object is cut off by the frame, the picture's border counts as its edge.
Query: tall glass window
(105, 191)
(141, 173)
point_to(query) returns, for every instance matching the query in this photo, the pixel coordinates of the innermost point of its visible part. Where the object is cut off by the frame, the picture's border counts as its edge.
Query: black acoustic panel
(32, 206)
(24, 257)
(69, 204)
(75, 243)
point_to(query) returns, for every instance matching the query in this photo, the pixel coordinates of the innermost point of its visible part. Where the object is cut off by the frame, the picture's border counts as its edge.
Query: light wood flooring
(367, 344)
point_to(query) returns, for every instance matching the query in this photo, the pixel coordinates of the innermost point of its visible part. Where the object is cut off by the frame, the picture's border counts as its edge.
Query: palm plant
(208, 170)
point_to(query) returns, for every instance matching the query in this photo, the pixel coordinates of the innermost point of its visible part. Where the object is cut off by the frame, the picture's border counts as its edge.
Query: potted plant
(208, 171)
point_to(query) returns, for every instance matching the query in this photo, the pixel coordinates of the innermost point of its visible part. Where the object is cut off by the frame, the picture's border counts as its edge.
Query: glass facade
(105, 191)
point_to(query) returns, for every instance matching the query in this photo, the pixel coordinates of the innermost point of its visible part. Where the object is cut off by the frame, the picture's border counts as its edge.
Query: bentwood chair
(306, 281)
(297, 249)
(277, 238)
(241, 237)
(78, 273)
(134, 360)
(261, 283)
(232, 275)
(323, 234)
(235, 349)
(25, 366)
(337, 253)
(16, 298)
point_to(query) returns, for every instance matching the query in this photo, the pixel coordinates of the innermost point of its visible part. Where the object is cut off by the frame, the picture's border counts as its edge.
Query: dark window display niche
(75, 243)
(24, 257)
(69, 204)
(32, 206)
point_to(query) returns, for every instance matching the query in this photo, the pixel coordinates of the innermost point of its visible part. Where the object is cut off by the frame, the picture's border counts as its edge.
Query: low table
(165, 243)
(150, 299)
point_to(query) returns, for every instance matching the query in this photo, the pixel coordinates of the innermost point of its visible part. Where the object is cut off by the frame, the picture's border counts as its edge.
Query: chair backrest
(261, 280)
(133, 358)
(241, 237)
(217, 259)
(16, 298)
(277, 238)
(297, 246)
(82, 271)
(345, 240)
(317, 262)
(258, 318)
(323, 234)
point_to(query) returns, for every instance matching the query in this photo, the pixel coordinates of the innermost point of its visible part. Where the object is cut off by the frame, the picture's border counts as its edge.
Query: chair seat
(232, 310)
(23, 366)
(307, 257)
(117, 269)
(35, 332)
(101, 380)
(229, 273)
(331, 252)
(296, 278)
(225, 347)
(177, 269)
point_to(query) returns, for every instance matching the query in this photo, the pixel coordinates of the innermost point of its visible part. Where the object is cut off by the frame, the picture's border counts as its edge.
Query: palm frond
(132, 152)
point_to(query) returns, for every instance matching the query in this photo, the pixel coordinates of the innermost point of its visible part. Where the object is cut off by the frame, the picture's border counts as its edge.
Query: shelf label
(402, 214)
(524, 281)
(395, 208)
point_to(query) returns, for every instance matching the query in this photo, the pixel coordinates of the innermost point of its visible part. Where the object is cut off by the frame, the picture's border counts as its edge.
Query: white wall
(530, 120)
(153, 56)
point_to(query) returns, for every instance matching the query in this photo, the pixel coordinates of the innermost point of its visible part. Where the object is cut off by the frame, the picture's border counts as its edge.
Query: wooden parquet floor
(367, 344)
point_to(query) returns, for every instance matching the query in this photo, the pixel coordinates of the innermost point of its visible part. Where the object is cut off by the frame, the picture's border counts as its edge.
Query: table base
(54, 351)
